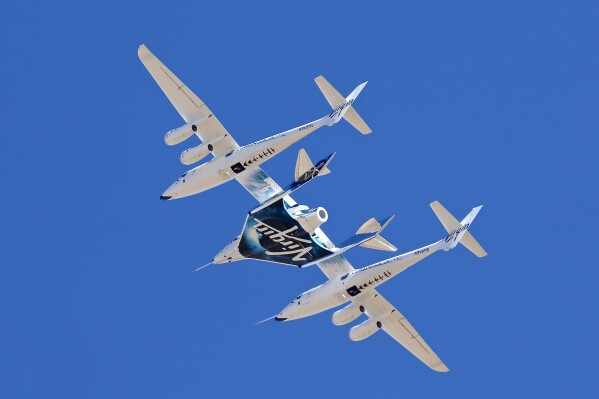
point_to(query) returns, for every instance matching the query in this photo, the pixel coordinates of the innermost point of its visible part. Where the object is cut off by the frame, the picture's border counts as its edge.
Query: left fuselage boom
(356, 285)
(221, 169)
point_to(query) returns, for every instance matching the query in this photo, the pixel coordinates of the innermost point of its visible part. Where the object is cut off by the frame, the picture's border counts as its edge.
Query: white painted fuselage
(357, 285)
(224, 168)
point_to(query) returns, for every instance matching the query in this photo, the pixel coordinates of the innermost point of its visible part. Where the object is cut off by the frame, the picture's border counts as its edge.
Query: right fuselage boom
(353, 286)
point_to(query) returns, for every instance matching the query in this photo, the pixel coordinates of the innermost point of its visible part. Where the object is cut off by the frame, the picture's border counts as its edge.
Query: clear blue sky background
(470, 102)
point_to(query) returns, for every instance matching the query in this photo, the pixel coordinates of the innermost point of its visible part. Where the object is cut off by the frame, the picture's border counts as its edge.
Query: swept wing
(395, 324)
(400, 329)
(189, 106)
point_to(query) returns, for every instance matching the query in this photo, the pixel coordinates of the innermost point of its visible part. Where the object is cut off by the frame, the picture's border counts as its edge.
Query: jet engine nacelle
(194, 154)
(347, 314)
(310, 219)
(365, 330)
(182, 133)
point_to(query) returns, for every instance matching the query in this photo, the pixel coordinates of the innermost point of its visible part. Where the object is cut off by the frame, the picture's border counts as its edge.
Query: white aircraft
(280, 230)
(359, 286)
(232, 161)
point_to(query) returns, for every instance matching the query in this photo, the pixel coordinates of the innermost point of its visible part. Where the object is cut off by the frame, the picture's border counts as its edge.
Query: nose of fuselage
(284, 315)
(287, 313)
(176, 190)
(195, 181)
(170, 192)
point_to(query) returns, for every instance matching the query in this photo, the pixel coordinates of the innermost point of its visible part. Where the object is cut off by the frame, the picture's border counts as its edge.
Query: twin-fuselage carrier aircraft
(279, 230)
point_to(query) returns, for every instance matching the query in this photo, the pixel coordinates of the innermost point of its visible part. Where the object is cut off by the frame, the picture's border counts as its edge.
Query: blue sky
(470, 102)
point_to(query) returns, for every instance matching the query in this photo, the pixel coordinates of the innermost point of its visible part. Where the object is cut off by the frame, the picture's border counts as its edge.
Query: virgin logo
(288, 245)
(455, 233)
(337, 111)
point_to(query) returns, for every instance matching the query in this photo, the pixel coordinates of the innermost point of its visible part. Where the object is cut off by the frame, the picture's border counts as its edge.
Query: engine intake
(310, 219)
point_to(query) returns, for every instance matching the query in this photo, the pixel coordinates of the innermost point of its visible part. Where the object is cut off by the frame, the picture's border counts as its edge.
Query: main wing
(189, 106)
(335, 266)
(398, 327)
(267, 191)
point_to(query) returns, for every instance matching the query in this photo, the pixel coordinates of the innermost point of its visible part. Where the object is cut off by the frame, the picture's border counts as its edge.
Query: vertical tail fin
(305, 168)
(342, 106)
(377, 242)
(458, 231)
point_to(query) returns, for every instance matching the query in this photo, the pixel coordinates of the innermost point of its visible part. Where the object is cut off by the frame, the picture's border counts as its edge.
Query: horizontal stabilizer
(458, 231)
(474, 247)
(324, 171)
(362, 237)
(370, 226)
(447, 220)
(374, 226)
(342, 106)
(379, 243)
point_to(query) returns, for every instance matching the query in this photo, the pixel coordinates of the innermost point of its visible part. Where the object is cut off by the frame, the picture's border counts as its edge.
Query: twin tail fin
(342, 107)
(458, 231)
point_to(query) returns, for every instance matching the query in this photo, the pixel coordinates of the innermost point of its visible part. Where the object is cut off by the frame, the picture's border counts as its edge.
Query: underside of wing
(189, 106)
(335, 266)
(259, 184)
(267, 191)
(398, 327)
(272, 235)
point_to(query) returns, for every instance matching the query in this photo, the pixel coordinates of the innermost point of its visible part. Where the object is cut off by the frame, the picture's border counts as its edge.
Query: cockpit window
(344, 276)
(184, 174)
(229, 153)
(299, 296)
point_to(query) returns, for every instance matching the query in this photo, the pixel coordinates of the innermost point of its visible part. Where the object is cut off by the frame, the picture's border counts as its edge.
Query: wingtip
(385, 222)
(440, 367)
(142, 51)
